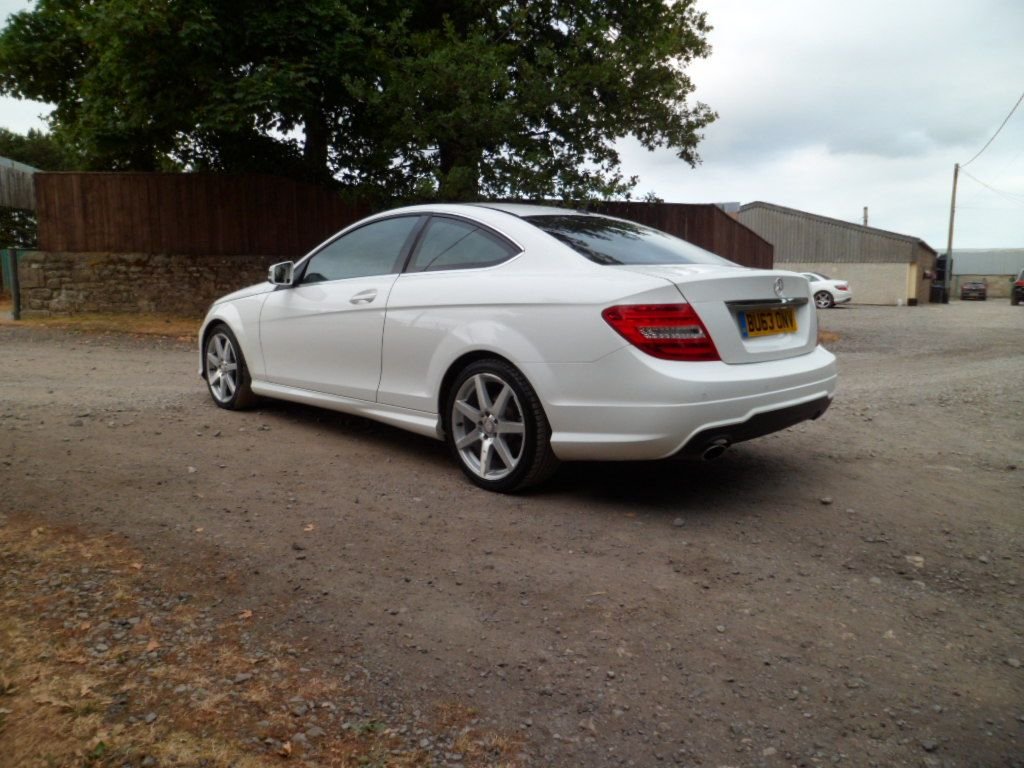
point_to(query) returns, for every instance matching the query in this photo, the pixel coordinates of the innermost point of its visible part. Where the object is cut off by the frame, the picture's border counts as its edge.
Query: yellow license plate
(767, 322)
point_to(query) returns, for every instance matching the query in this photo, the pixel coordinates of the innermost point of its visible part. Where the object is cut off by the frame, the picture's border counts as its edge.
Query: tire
(504, 443)
(1014, 301)
(824, 300)
(227, 375)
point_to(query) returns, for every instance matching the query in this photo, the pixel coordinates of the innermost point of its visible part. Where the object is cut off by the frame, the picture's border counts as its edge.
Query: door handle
(364, 297)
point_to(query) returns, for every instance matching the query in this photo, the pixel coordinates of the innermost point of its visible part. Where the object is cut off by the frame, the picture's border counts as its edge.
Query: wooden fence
(196, 214)
(221, 215)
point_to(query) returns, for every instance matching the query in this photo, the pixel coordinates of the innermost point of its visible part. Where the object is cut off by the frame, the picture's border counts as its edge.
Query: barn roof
(836, 222)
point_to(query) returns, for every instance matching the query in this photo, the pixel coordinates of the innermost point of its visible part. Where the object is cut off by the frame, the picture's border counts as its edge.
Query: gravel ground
(846, 592)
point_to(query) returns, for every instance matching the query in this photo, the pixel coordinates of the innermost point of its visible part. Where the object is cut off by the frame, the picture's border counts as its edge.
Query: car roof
(522, 210)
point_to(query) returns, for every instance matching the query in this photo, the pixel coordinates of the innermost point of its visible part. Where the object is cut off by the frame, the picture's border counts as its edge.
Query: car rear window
(614, 241)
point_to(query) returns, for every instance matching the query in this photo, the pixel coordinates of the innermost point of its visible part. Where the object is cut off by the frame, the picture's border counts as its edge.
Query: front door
(324, 333)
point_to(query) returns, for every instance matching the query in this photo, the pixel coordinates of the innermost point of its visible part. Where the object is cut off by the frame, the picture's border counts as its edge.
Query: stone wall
(73, 283)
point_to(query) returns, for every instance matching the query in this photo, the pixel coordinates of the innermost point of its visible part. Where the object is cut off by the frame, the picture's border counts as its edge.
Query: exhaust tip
(716, 449)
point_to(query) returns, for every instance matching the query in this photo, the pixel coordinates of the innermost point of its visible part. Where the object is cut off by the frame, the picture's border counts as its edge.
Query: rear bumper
(756, 426)
(630, 406)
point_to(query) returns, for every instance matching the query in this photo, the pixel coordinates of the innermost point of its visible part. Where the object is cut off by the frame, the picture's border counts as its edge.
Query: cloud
(829, 106)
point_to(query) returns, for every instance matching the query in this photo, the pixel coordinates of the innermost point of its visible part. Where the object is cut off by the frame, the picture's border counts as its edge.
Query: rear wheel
(226, 373)
(824, 300)
(496, 428)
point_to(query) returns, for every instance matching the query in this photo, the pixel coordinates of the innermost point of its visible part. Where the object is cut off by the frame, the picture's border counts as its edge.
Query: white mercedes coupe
(524, 336)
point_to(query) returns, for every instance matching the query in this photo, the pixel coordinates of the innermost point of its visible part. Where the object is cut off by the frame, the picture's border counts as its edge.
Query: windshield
(614, 241)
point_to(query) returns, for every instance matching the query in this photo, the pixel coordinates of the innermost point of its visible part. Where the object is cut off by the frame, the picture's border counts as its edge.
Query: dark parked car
(974, 289)
(1017, 292)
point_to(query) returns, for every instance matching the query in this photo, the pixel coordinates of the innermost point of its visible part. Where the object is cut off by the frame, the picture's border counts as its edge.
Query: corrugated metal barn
(998, 267)
(16, 190)
(882, 267)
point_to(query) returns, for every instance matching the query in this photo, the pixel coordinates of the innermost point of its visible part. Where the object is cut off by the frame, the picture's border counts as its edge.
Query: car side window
(374, 249)
(455, 244)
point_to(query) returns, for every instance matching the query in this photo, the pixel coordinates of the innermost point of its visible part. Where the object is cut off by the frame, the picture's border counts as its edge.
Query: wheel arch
(229, 316)
(204, 336)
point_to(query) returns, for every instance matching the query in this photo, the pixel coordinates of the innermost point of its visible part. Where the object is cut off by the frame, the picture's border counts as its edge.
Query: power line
(963, 165)
(1011, 196)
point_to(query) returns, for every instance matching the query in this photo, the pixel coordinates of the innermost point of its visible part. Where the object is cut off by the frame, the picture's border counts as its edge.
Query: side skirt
(426, 424)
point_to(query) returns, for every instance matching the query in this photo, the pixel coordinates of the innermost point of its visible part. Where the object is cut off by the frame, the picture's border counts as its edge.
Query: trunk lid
(749, 313)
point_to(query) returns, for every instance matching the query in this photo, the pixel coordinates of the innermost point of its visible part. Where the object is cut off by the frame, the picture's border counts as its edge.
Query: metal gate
(9, 282)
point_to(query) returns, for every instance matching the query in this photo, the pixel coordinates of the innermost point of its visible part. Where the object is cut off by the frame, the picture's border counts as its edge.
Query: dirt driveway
(847, 592)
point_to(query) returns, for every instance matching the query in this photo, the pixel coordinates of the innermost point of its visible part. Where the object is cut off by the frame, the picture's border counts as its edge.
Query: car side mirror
(282, 273)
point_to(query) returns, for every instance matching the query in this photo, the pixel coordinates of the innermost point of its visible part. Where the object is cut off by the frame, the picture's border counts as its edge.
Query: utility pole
(949, 243)
(865, 215)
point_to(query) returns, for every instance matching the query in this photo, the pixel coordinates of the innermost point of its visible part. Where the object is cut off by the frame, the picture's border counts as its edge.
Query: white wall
(870, 283)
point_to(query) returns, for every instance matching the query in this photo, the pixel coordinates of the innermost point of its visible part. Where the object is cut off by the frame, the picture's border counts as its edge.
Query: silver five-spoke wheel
(487, 425)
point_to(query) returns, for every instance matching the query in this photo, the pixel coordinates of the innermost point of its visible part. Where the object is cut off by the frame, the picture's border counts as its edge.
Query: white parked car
(828, 292)
(524, 336)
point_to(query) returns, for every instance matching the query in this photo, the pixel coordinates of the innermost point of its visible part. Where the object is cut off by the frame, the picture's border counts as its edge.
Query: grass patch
(135, 324)
(98, 671)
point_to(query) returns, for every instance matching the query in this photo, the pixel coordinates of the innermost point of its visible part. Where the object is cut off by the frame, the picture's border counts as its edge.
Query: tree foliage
(18, 228)
(453, 99)
(37, 149)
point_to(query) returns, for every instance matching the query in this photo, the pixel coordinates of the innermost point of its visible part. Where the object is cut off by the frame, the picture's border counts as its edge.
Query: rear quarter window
(449, 243)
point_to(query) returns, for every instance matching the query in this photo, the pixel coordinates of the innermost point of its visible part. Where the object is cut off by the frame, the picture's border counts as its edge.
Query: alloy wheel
(221, 367)
(488, 426)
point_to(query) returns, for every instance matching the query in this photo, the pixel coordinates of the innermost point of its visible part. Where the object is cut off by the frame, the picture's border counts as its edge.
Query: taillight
(842, 287)
(667, 331)
(1019, 283)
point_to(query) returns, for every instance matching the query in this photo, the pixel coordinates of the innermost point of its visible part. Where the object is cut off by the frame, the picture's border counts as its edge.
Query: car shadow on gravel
(388, 439)
(657, 485)
(717, 486)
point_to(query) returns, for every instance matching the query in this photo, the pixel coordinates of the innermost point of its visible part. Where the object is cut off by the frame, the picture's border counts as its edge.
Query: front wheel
(824, 300)
(225, 371)
(496, 428)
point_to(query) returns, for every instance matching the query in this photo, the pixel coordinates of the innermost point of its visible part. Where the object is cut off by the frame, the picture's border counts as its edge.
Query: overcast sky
(829, 106)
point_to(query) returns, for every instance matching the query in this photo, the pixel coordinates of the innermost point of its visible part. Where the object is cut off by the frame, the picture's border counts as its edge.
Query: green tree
(37, 149)
(451, 99)
(18, 228)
